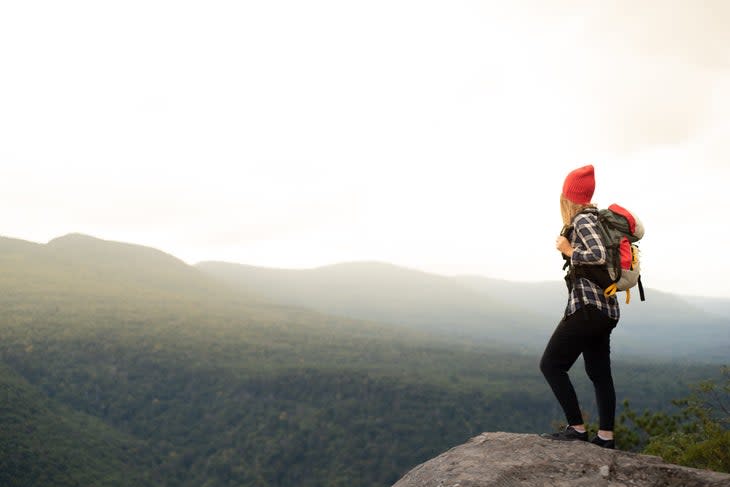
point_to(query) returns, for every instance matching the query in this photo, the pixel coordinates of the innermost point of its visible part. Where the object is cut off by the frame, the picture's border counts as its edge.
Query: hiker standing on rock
(589, 317)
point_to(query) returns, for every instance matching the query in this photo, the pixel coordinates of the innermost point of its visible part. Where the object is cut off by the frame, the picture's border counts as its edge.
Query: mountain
(221, 388)
(519, 314)
(82, 265)
(138, 269)
(202, 383)
(405, 298)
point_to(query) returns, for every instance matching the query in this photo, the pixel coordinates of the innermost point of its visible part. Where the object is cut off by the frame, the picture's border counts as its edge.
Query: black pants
(587, 331)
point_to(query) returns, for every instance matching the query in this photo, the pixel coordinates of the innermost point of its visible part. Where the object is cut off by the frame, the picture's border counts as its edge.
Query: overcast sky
(430, 134)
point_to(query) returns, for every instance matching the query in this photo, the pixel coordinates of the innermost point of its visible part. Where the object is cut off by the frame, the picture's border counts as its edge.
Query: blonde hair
(568, 209)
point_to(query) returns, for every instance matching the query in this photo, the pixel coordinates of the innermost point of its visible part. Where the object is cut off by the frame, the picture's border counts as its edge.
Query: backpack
(620, 231)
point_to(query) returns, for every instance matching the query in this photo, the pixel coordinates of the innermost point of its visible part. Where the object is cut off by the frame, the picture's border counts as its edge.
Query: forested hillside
(383, 292)
(140, 359)
(45, 443)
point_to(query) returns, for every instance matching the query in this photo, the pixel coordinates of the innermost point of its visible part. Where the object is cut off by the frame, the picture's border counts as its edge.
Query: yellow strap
(628, 296)
(610, 290)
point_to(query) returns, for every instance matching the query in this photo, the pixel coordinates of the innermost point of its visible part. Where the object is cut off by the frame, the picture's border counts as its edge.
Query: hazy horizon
(557, 280)
(431, 135)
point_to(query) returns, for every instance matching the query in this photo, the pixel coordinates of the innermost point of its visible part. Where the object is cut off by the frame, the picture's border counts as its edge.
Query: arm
(588, 249)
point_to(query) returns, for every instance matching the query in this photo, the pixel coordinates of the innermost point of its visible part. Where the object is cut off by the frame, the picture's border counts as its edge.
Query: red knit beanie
(579, 185)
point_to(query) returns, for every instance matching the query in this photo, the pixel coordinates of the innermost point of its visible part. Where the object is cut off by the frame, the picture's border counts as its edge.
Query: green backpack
(620, 232)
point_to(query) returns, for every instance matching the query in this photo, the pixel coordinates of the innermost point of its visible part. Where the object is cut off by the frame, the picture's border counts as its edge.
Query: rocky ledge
(510, 459)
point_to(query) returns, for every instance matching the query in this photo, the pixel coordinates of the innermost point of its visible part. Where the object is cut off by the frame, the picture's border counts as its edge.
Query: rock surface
(510, 459)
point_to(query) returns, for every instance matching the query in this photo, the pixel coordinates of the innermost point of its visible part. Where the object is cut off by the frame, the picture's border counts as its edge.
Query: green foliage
(166, 370)
(44, 443)
(698, 435)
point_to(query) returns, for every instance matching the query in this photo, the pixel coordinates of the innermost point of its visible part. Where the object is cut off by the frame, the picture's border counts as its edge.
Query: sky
(434, 135)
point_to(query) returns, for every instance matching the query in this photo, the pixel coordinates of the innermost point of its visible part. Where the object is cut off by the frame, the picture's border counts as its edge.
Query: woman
(589, 316)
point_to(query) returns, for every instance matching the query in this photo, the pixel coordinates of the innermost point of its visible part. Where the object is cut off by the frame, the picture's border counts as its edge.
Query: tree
(697, 436)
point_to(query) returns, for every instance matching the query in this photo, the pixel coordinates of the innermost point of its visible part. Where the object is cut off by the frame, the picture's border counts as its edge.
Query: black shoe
(568, 434)
(604, 443)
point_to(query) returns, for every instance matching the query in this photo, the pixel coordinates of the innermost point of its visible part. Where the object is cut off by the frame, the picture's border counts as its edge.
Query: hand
(563, 245)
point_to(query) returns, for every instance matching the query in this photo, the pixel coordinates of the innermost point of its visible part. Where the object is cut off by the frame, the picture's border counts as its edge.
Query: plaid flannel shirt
(588, 249)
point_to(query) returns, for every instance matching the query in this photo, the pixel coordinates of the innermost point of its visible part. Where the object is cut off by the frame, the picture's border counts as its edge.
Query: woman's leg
(560, 354)
(597, 359)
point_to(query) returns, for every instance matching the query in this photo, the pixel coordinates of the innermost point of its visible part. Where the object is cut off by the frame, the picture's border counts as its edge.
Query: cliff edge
(510, 459)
